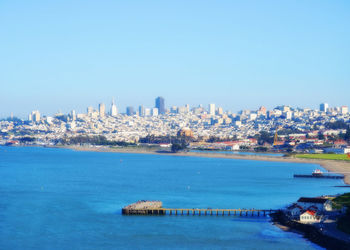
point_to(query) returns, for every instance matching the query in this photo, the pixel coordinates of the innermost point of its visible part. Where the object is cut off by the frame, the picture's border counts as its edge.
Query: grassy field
(343, 157)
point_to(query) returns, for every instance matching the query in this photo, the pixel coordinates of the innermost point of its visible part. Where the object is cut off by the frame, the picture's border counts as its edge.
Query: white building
(154, 111)
(321, 204)
(212, 109)
(289, 115)
(344, 110)
(90, 110)
(114, 110)
(309, 216)
(147, 112)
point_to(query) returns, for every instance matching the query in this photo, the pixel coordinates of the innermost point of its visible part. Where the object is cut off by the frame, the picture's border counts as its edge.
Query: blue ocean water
(64, 199)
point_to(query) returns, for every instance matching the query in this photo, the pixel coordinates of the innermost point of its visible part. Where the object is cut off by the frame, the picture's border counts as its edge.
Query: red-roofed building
(309, 216)
(340, 143)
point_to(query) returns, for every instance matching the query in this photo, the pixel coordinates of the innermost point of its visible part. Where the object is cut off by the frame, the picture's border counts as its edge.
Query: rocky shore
(311, 232)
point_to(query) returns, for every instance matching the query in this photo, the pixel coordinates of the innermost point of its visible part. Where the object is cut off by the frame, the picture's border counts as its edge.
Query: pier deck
(144, 210)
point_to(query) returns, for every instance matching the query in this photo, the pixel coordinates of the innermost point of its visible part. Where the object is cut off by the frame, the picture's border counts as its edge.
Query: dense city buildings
(297, 129)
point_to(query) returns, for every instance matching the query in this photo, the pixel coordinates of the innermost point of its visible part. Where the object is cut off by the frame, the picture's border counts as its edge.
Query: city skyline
(122, 109)
(58, 56)
(101, 110)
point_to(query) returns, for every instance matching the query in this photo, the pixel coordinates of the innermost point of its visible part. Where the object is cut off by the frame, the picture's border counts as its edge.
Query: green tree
(320, 136)
(347, 134)
(264, 136)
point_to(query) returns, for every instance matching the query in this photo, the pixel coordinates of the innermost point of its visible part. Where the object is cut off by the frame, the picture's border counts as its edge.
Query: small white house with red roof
(309, 216)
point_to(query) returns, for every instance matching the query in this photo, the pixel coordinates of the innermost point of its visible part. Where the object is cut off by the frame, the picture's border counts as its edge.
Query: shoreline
(333, 166)
(310, 232)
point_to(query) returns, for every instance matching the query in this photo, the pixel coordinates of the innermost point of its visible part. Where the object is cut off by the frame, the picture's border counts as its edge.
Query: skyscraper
(73, 115)
(130, 111)
(90, 110)
(324, 107)
(344, 110)
(36, 116)
(155, 111)
(114, 110)
(141, 111)
(160, 105)
(102, 109)
(212, 109)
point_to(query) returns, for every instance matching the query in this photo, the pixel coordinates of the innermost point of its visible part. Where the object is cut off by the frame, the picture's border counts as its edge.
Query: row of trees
(266, 137)
(93, 140)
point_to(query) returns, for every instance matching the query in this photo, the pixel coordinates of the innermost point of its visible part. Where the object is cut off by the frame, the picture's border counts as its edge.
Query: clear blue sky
(64, 55)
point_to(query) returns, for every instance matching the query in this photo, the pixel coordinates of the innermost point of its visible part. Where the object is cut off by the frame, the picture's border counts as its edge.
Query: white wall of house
(327, 206)
(308, 218)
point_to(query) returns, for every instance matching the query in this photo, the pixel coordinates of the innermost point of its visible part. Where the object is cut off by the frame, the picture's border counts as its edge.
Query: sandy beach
(333, 166)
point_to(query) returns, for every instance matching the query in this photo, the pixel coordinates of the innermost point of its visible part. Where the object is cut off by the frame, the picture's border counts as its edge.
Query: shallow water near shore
(64, 199)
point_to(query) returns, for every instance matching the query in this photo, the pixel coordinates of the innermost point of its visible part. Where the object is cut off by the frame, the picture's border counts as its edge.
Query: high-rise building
(147, 111)
(155, 111)
(212, 109)
(220, 111)
(73, 115)
(160, 105)
(36, 116)
(130, 111)
(90, 110)
(173, 109)
(324, 107)
(187, 108)
(141, 111)
(262, 110)
(114, 110)
(102, 109)
(344, 110)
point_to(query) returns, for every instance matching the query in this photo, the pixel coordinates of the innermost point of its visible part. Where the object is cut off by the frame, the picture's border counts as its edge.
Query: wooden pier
(131, 210)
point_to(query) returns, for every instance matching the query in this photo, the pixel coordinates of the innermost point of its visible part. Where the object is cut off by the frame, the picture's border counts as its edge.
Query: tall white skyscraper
(324, 107)
(114, 110)
(212, 109)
